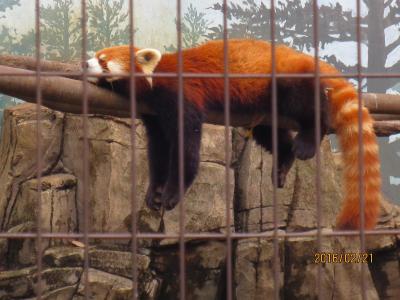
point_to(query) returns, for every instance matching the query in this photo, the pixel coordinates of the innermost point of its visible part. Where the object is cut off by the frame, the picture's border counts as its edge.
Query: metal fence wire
(229, 236)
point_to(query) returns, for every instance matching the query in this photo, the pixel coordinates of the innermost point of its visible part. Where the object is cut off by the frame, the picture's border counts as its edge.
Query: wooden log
(29, 63)
(65, 94)
(376, 103)
(382, 103)
(386, 128)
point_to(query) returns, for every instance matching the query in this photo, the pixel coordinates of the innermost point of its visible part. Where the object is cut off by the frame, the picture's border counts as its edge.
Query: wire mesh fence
(229, 236)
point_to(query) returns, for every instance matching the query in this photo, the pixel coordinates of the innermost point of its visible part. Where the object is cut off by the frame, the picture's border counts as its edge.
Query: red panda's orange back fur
(254, 57)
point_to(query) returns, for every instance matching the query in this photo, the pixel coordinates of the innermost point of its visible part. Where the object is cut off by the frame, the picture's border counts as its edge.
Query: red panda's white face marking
(115, 68)
(101, 65)
(94, 67)
(116, 60)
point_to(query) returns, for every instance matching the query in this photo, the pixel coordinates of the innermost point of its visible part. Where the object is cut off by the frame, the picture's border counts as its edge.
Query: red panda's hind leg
(296, 100)
(304, 144)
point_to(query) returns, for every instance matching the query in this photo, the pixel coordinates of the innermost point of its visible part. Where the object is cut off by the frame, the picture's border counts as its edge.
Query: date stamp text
(347, 258)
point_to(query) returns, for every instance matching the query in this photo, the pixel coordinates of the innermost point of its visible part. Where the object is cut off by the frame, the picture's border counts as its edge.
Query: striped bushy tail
(345, 116)
(343, 99)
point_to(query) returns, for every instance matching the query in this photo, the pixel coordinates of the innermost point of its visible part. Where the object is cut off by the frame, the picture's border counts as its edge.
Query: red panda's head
(116, 61)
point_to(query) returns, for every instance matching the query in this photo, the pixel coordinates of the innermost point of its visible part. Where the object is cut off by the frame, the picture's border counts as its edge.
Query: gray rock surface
(254, 274)
(19, 149)
(109, 195)
(57, 198)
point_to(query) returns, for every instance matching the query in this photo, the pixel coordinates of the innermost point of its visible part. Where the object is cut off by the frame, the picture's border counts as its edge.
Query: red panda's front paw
(304, 145)
(286, 160)
(153, 198)
(281, 178)
(170, 199)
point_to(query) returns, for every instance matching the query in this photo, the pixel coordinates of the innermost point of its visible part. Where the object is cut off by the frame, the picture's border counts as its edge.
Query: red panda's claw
(285, 164)
(153, 198)
(170, 199)
(171, 202)
(304, 146)
(347, 222)
(281, 179)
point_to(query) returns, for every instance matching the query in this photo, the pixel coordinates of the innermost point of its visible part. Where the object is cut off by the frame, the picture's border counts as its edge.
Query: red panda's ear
(148, 59)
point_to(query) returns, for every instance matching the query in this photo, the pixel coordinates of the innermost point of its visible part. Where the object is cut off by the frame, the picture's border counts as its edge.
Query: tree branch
(65, 94)
(29, 63)
(382, 103)
(386, 128)
(392, 17)
(388, 3)
(395, 68)
(392, 46)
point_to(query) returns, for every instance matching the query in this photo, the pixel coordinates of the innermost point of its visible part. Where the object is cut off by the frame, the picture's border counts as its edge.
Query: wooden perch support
(29, 63)
(63, 94)
(66, 94)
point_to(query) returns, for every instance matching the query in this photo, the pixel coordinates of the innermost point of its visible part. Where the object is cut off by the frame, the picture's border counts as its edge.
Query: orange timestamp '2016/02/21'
(335, 257)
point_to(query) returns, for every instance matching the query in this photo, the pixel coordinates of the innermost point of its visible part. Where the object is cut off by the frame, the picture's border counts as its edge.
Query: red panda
(339, 109)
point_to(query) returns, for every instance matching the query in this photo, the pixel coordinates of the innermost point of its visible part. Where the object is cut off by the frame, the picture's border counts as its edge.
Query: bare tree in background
(60, 30)
(250, 19)
(7, 34)
(108, 23)
(7, 42)
(7, 39)
(7, 4)
(247, 20)
(26, 44)
(10, 41)
(194, 29)
(381, 16)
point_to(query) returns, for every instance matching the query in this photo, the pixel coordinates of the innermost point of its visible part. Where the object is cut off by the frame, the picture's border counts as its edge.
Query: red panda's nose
(85, 65)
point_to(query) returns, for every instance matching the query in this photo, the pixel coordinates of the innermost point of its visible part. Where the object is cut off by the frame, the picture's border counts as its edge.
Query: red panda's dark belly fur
(211, 92)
